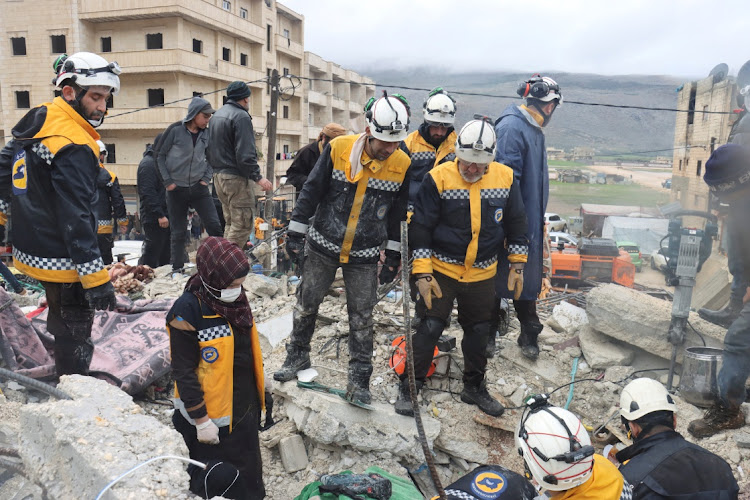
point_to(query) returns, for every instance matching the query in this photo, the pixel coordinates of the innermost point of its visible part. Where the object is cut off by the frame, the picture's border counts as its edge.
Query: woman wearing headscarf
(218, 370)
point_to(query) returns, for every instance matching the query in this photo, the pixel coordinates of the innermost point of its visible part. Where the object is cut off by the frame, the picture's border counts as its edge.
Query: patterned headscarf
(219, 263)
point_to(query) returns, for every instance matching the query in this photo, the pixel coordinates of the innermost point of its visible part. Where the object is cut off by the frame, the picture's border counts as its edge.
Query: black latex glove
(102, 297)
(390, 268)
(295, 246)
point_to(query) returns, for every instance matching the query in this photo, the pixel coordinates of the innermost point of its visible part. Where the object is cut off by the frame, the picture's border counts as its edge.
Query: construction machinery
(595, 259)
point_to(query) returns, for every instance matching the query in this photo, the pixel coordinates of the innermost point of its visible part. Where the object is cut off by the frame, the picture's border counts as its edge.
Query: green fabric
(403, 489)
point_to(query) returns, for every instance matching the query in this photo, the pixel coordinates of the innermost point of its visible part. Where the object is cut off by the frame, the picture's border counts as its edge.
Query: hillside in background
(607, 130)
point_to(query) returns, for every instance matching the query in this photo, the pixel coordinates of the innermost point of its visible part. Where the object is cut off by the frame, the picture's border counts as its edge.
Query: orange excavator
(595, 259)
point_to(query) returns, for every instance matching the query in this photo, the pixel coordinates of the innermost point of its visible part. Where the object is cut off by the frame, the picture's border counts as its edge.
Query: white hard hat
(102, 148)
(86, 69)
(643, 396)
(555, 447)
(387, 118)
(476, 142)
(439, 107)
(541, 88)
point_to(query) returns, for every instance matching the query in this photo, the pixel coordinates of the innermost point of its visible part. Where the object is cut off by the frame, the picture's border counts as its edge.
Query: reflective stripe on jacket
(110, 202)
(458, 227)
(353, 218)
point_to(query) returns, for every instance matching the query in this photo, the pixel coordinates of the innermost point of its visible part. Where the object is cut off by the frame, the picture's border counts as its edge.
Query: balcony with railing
(184, 61)
(288, 46)
(289, 127)
(317, 98)
(142, 119)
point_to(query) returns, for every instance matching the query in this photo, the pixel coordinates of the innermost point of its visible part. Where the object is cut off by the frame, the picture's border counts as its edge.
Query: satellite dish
(719, 72)
(743, 77)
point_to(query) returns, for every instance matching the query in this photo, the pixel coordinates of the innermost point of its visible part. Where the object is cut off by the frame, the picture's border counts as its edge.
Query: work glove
(515, 280)
(102, 297)
(428, 286)
(295, 246)
(208, 433)
(390, 267)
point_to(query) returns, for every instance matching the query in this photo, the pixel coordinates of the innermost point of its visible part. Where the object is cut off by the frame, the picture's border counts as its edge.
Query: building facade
(170, 51)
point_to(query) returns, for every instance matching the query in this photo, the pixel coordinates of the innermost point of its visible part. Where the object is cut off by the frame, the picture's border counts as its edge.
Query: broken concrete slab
(275, 330)
(643, 321)
(75, 448)
(260, 285)
(601, 351)
(328, 419)
(293, 453)
(567, 318)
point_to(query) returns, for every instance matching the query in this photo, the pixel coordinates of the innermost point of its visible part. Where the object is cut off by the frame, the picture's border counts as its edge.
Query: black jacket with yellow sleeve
(354, 214)
(48, 179)
(425, 156)
(109, 202)
(458, 228)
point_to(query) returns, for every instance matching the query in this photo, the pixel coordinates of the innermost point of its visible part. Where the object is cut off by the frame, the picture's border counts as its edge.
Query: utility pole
(270, 163)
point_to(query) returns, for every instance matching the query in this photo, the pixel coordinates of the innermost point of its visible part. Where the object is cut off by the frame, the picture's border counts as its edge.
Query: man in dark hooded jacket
(153, 211)
(181, 158)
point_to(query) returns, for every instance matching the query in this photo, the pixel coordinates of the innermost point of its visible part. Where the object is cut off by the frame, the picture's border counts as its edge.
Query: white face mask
(230, 294)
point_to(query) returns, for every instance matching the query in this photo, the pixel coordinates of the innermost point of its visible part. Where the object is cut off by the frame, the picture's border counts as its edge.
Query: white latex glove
(208, 433)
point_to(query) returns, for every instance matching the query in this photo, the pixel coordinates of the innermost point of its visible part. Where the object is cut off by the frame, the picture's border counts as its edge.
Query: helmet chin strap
(76, 105)
(546, 117)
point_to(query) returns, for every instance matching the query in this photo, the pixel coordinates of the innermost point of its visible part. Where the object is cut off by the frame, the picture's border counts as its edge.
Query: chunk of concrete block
(293, 453)
(601, 351)
(328, 419)
(567, 318)
(260, 285)
(643, 321)
(75, 448)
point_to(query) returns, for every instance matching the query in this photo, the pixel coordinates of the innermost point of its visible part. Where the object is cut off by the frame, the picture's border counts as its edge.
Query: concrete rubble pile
(619, 332)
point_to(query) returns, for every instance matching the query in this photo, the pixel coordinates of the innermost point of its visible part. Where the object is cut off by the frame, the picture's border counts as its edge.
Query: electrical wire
(697, 333)
(130, 471)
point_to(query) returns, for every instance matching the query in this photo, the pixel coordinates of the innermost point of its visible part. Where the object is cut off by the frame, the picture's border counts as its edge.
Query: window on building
(698, 168)
(19, 45)
(110, 101)
(268, 80)
(106, 43)
(286, 149)
(705, 113)
(680, 166)
(155, 97)
(243, 59)
(691, 103)
(286, 33)
(268, 37)
(286, 112)
(154, 41)
(243, 13)
(226, 5)
(197, 46)
(713, 144)
(23, 101)
(197, 94)
(226, 54)
(111, 153)
(268, 3)
(286, 71)
(58, 44)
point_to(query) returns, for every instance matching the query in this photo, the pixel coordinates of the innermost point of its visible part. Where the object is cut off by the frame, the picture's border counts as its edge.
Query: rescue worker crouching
(465, 211)
(358, 192)
(110, 202)
(52, 176)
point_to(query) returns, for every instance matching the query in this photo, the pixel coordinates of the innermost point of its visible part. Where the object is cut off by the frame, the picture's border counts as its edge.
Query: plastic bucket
(699, 380)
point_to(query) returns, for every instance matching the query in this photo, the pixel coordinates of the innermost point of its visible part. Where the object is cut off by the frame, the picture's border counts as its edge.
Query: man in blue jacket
(181, 158)
(520, 145)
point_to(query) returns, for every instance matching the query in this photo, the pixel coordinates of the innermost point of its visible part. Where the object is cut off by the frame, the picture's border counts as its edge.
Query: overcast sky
(668, 37)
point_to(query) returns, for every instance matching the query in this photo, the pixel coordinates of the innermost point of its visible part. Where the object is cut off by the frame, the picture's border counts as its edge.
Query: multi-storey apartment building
(170, 51)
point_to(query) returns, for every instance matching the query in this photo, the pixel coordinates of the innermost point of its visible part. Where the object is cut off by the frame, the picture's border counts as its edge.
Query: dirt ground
(639, 176)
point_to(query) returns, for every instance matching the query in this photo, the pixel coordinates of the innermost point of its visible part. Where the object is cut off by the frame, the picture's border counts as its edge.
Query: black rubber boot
(478, 395)
(296, 360)
(403, 404)
(358, 384)
(723, 317)
(527, 340)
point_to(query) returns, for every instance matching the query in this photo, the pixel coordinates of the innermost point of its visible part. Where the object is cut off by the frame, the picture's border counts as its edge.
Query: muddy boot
(358, 384)
(403, 403)
(723, 317)
(296, 360)
(718, 418)
(527, 340)
(478, 395)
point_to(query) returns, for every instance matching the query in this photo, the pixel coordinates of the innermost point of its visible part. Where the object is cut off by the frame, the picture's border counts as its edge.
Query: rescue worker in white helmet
(433, 142)
(661, 463)
(51, 170)
(465, 211)
(558, 455)
(110, 203)
(358, 191)
(520, 145)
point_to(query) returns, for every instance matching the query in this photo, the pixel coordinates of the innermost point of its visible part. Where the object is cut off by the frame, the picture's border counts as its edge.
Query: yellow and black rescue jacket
(458, 228)
(206, 372)
(424, 157)
(48, 178)
(110, 202)
(353, 216)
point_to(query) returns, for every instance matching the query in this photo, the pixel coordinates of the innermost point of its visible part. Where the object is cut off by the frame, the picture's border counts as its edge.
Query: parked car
(556, 237)
(667, 184)
(634, 251)
(556, 223)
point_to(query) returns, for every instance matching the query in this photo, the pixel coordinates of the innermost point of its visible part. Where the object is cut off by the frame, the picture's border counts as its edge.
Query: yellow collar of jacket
(535, 114)
(63, 125)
